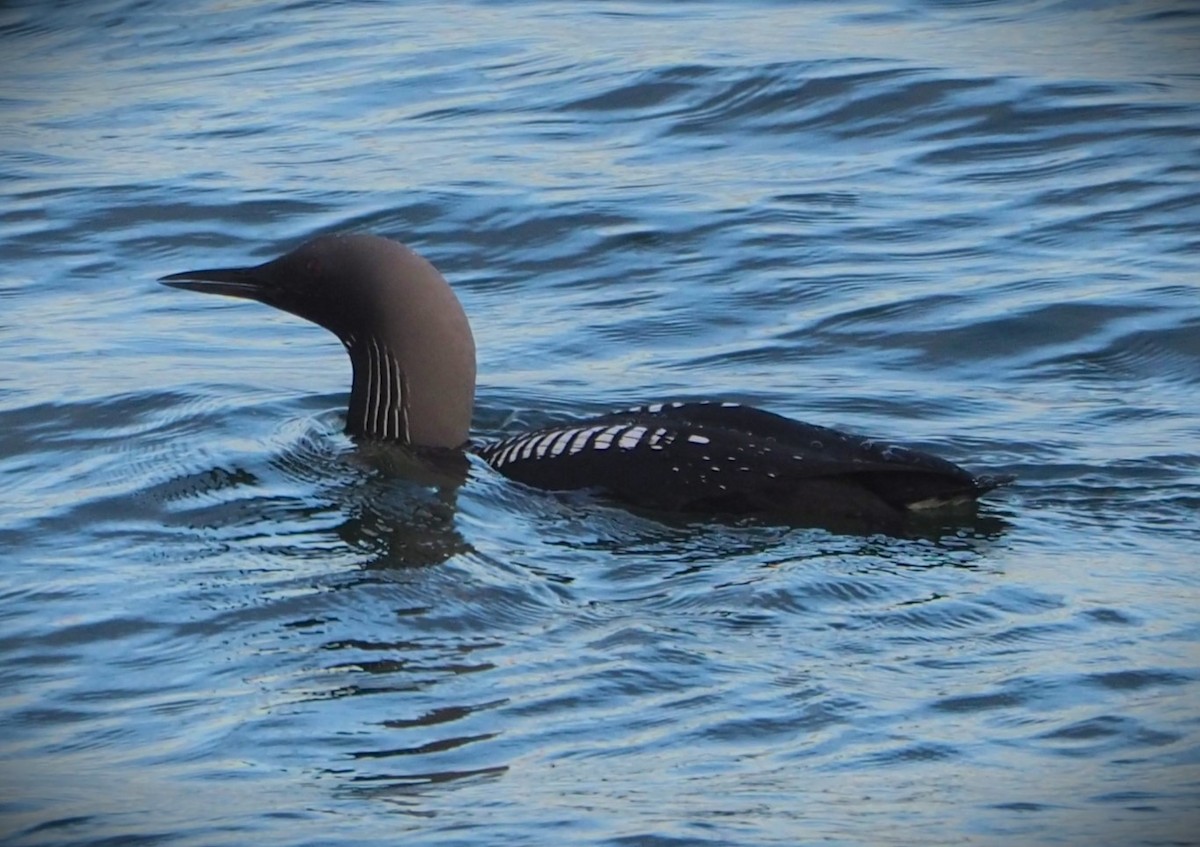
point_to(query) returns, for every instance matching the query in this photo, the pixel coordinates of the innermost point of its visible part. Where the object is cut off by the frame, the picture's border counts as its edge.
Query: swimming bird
(413, 361)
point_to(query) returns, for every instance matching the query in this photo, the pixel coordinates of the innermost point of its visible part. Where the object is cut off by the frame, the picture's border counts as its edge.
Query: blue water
(973, 227)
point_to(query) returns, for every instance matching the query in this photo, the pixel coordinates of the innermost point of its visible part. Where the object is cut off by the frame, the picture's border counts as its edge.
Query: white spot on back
(581, 438)
(505, 454)
(530, 442)
(604, 439)
(698, 439)
(631, 438)
(560, 443)
(544, 443)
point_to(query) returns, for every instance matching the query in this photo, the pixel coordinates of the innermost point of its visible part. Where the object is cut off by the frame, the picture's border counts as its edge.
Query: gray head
(409, 340)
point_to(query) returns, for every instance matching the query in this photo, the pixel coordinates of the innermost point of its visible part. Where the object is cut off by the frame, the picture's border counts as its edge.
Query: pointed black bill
(248, 283)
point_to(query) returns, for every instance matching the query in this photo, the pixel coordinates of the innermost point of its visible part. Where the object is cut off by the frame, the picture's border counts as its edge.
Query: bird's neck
(379, 395)
(407, 389)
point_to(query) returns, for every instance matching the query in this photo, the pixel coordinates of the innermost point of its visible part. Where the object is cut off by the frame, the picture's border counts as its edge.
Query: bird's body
(413, 361)
(726, 458)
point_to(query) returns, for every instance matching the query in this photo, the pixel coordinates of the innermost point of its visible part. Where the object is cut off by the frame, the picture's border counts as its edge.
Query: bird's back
(736, 459)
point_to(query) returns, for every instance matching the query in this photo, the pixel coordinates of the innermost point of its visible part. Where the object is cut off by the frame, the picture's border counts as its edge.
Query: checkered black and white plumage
(732, 458)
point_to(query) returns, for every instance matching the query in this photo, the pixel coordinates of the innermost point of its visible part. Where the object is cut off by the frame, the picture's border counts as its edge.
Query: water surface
(968, 226)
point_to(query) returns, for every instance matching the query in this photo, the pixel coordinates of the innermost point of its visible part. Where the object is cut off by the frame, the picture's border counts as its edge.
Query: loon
(413, 360)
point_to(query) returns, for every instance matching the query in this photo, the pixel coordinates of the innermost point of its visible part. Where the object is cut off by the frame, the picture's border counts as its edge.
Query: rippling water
(971, 226)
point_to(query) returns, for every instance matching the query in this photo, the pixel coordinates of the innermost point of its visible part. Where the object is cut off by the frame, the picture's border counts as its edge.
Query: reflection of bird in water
(413, 359)
(409, 519)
